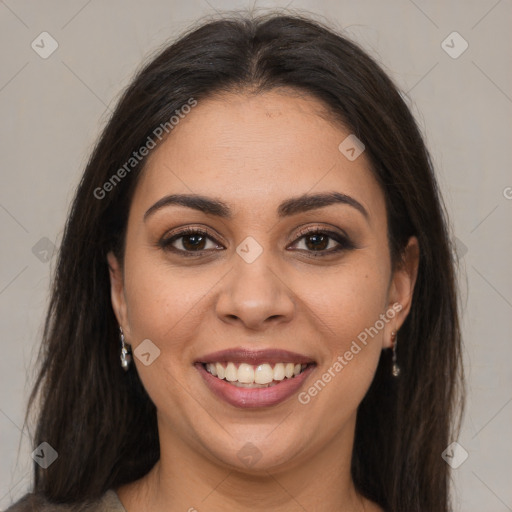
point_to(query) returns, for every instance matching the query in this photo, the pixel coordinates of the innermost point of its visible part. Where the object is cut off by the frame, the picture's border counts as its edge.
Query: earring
(396, 368)
(126, 357)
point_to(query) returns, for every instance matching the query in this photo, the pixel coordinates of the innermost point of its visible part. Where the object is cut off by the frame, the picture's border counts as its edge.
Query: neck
(199, 481)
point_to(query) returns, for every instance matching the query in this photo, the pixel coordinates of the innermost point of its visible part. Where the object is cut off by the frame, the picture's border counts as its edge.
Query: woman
(254, 306)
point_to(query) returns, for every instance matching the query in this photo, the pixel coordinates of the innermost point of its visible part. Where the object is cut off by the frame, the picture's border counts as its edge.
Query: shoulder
(108, 502)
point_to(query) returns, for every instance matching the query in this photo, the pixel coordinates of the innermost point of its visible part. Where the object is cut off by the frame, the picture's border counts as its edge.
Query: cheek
(350, 306)
(166, 305)
(347, 300)
(164, 300)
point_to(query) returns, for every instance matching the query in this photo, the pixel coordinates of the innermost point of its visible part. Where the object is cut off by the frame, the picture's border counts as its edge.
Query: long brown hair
(101, 420)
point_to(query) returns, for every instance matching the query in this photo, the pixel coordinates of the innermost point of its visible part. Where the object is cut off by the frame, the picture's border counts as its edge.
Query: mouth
(249, 379)
(245, 375)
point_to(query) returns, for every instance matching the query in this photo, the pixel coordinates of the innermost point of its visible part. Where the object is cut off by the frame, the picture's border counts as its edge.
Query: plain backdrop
(52, 111)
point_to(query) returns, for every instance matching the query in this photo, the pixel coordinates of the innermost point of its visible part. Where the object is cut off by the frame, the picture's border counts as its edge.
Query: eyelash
(343, 241)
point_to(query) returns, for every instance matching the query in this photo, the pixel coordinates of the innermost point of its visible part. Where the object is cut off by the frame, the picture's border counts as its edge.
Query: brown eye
(188, 241)
(317, 242)
(193, 242)
(324, 242)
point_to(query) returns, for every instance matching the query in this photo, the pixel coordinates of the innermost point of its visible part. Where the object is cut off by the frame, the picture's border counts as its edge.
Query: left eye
(319, 241)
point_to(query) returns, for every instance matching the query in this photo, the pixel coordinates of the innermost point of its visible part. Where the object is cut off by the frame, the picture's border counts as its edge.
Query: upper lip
(255, 357)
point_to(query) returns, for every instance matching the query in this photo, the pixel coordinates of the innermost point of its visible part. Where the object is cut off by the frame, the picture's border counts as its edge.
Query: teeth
(247, 375)
(231, 372)
(212, 368)
(263, 374)
(279, 371)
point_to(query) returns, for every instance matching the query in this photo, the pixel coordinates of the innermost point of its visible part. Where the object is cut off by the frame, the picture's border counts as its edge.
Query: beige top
(109, 502)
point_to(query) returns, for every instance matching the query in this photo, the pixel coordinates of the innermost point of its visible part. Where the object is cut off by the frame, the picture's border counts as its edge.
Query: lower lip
(254, 397)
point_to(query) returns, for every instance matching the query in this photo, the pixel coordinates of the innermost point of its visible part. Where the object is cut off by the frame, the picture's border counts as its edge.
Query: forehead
(254, 151)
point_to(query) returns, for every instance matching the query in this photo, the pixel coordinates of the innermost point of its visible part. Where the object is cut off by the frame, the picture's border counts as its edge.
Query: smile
(254, 376)
(248, 378)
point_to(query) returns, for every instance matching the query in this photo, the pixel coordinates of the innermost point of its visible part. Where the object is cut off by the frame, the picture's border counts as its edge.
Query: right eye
(192, 240)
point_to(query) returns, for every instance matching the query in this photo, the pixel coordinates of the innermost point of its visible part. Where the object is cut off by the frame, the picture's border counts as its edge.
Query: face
(277, 274)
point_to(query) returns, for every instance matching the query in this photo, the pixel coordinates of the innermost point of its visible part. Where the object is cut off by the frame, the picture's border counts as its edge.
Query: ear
(401, 289)
(117, 294)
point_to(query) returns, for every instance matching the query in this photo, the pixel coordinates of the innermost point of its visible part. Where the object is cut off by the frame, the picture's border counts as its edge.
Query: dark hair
(100, 419)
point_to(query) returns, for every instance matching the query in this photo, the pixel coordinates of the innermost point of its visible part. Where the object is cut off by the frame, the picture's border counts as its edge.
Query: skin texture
(253, 152)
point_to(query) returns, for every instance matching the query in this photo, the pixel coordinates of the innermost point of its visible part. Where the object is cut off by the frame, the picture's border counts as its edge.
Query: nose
(254, 296)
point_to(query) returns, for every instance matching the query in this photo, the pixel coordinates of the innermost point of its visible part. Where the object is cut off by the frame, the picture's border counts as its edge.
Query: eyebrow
(287, 208)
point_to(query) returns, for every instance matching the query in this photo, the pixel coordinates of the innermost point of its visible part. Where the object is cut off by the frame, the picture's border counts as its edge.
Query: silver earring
(126, 357)
(396, 368)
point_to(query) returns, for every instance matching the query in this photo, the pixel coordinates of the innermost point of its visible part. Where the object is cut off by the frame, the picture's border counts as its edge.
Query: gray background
(53, 109)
